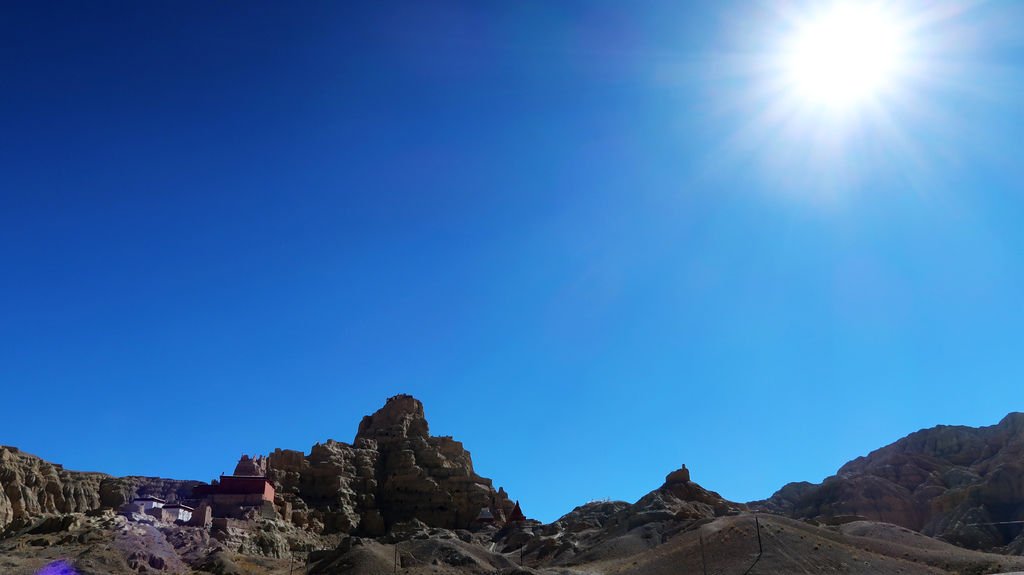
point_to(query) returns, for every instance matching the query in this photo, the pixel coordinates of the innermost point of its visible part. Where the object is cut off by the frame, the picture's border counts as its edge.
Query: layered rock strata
(962, 484)
(394, 471)
(31, 487)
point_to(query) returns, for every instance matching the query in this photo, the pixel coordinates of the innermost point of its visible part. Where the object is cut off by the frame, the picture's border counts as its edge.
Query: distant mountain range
(941, 500)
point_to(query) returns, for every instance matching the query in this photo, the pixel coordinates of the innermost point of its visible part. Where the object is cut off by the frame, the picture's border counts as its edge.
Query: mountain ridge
(946, 481)
(398, 495)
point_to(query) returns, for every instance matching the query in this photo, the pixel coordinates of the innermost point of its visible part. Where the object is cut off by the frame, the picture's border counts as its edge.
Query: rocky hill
(31, 487)
(946, 481)
(730, 546)
(394, 471)
(602, 529)
(397, 498)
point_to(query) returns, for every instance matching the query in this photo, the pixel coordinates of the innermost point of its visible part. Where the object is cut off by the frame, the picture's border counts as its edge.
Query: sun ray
(840, 97)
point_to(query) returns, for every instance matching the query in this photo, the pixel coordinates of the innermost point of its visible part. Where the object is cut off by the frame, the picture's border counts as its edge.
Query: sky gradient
(566, 227)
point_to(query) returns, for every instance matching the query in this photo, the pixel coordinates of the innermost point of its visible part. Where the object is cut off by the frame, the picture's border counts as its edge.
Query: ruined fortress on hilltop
(394, 471)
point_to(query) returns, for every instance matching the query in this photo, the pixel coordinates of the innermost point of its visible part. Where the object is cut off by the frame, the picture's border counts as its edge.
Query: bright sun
(827, 94)
(844, 55)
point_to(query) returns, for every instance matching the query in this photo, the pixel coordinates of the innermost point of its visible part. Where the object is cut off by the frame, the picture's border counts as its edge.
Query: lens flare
(831, 99)
(60, 567)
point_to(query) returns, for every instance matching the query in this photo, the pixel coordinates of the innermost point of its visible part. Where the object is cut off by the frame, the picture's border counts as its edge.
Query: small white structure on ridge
(177, 512)
(148, 502)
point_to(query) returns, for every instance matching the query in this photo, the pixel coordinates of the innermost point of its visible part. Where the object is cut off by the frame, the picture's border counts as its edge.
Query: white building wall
(149, 504)
(179, 514)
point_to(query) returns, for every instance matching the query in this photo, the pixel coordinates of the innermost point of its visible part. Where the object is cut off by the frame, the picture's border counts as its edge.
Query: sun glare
(830, 97)
(845, 54)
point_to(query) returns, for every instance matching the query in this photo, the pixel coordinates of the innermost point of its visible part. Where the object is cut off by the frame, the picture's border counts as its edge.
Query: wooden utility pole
(757, 524)
(760, 549)
(703, 560)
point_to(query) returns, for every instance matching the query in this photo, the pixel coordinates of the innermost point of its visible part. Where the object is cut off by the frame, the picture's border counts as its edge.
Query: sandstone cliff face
(31, 487)
(394, 471)
(116, 491)
(941, 481)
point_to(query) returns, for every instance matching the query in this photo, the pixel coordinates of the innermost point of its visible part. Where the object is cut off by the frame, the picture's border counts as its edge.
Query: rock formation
(587, 532)
(947, 481)
(398, 498)
(394, 471)
(251, 466)
(116, 491)
(31, 487)
(686, 499)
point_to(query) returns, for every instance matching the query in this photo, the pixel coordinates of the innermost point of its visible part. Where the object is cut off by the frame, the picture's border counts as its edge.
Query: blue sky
(566, 227)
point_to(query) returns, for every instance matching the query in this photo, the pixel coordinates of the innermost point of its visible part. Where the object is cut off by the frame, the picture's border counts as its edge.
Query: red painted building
(245, 494)
(250, 488)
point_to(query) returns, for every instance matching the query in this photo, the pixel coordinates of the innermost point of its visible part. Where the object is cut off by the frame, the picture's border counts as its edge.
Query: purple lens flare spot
(58, 568)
